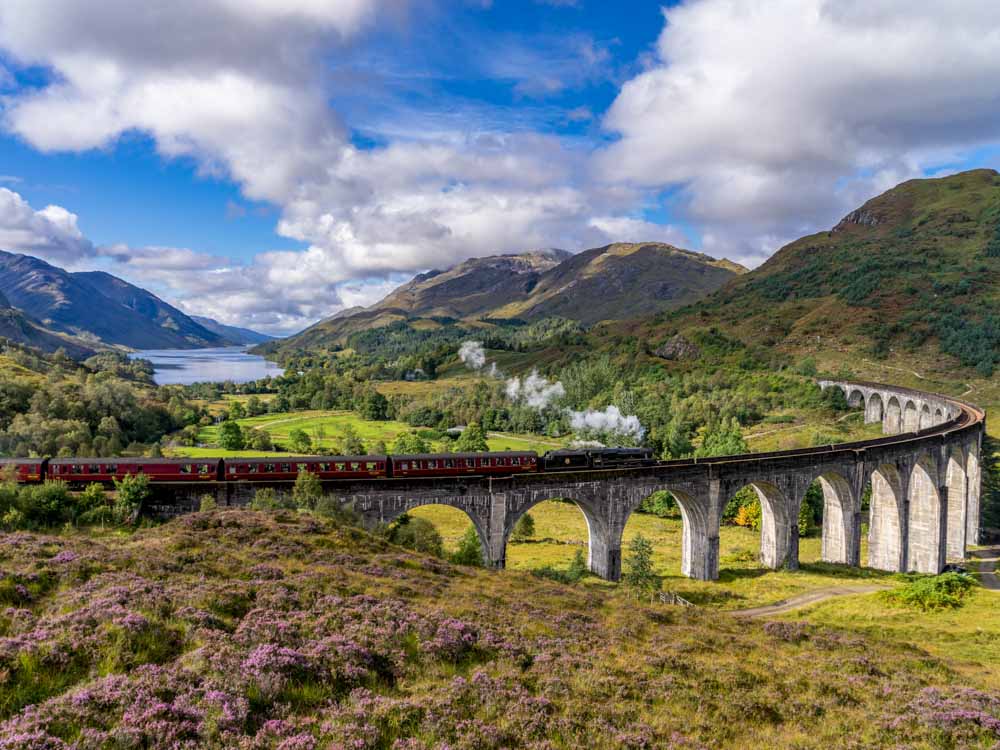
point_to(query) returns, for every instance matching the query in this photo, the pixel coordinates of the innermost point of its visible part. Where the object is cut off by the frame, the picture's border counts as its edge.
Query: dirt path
(809, 597)
(988, 557)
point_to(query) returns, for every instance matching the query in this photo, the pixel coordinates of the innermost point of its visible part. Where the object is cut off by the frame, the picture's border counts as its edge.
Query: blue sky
(126, 193)
(268, 163)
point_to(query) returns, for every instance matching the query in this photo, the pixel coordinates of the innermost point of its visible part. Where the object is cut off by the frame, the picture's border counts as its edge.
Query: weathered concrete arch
(893, 423)
(886, 550)
(925, 420)
(938, 416)
(957, 488)
(594, 527)
(841, 541)
(925, 552)
(911, 417)
(779, 530)
(874, 409)
(855, 398)
(477, 519)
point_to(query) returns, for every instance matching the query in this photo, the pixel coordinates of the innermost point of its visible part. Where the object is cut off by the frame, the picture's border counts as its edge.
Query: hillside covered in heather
(229, 629)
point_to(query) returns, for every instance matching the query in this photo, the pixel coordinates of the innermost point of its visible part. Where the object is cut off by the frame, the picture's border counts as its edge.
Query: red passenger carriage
(325, 467)
(462, 464)
(23, 469)
(83, 470)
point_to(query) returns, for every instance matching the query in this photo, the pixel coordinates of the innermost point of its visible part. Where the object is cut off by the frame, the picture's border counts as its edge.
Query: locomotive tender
(78, 471)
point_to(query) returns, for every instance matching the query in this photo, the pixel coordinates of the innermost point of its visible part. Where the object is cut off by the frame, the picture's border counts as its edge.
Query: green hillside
(912, 276)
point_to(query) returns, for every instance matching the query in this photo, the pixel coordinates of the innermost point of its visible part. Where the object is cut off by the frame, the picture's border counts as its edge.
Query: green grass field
(560, 530)
(326, 428)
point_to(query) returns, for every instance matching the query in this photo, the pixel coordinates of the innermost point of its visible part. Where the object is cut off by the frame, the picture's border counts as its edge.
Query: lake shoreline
(217, 365)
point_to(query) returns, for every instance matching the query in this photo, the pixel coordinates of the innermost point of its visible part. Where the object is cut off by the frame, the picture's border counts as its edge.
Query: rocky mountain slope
(235, 334)
(612, 282)
(913, 274)
(97, 309)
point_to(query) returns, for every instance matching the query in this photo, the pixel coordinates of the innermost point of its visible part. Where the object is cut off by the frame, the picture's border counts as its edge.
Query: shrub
(307, 491)
(132, 492)
(265, 498)
(207, 503)
(417, 534)
(929, 593)
(45, 504)
(748, 516)
(524, 529)
(470, 551)
(93, 496)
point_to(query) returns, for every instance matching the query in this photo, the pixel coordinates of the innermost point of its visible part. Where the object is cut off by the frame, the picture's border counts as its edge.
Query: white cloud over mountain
(778, 116)
(769, 118)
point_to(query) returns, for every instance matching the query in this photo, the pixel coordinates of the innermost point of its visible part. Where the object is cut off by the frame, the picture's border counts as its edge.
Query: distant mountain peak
(617, 281)
(95, 308)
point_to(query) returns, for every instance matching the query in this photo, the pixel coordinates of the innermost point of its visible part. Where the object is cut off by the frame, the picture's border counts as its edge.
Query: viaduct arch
(924, 477)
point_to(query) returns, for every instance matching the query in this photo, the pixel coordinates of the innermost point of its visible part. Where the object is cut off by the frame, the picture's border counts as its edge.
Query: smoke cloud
(611, 420)
(472, 354)
(540, 393)
(534, 390)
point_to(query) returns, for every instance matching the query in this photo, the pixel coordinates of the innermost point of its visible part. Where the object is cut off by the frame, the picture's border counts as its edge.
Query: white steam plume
(611, 420)
(534, 390)
(472, 354)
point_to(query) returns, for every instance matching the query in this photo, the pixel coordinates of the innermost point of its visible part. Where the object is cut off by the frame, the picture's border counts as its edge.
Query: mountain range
(49, 307)
(618, 281)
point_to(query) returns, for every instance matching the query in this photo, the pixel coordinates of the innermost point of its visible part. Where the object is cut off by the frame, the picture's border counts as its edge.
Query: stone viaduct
(923, 476)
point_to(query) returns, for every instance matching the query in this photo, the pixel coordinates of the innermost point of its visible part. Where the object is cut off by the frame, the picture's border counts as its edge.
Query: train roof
(5, 461)
(133, 460)
(578, 451)
(473, 454)
(283, 459)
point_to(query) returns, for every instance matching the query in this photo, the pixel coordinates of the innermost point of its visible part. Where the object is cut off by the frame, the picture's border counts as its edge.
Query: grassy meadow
(326, 429)
(560, 530)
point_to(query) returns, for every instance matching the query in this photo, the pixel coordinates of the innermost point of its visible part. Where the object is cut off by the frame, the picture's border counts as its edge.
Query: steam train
(77, 471)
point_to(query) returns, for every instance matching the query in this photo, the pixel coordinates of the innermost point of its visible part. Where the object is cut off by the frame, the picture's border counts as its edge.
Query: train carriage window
(112, 469)
(94, 469)
(355, 466)
(232, 468)
(381, 465)
(515, 461)
(324, 466)
(77, 469)
(449, 463)
(432, 464)
(204, 469)
(404, 466)
(302, 467)
(371, 466)
(185, 468)
(286, 468)
(340, 465)
(254, 468)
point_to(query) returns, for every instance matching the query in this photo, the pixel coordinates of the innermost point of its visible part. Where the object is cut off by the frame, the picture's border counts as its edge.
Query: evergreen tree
(639, 575)
(524, 529)
(470, 551)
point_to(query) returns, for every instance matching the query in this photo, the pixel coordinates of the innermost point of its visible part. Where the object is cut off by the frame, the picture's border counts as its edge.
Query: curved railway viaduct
(924, 479)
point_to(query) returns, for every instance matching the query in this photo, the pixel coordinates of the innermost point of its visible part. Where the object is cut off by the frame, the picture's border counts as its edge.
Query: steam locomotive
(78, 471)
